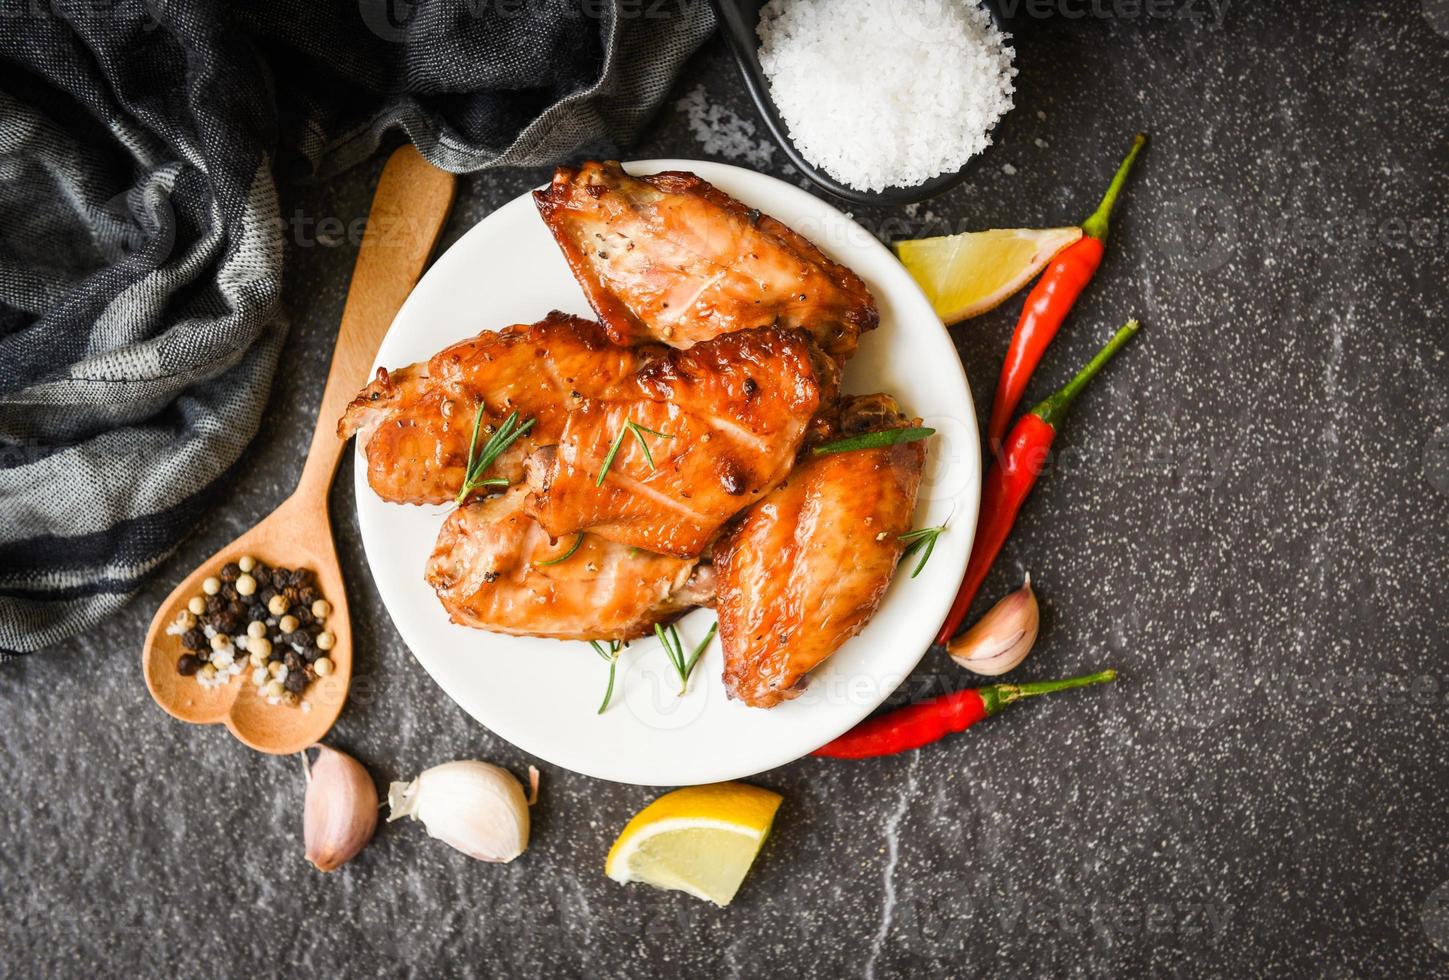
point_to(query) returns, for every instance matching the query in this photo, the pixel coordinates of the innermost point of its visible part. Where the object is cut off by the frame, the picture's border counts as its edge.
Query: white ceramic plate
(541, 695)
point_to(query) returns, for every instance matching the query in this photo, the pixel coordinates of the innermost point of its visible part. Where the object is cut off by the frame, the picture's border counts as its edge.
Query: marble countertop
(1249, 518)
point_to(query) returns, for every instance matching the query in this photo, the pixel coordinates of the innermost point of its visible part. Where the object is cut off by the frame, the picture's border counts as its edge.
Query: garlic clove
(340, 814)
(1002, 638)
(475, 807)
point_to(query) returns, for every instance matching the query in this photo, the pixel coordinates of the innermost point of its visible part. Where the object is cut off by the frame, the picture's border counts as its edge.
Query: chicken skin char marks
(415, 424)
(668, 455)
(804, 569)
(490, 571)
(672, 258)
(740, 403)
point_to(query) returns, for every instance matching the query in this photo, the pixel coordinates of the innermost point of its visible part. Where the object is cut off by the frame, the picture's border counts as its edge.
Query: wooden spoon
(408, 211)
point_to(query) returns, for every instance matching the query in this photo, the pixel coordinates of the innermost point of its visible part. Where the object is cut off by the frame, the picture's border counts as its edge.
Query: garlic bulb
(1003, 637)
(340, 815)
(473, 806)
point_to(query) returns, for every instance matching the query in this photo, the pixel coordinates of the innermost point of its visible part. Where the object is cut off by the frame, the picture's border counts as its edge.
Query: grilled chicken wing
(486, 571)
(672, 258)
(415, 424)
(718, 425)
(804, 569)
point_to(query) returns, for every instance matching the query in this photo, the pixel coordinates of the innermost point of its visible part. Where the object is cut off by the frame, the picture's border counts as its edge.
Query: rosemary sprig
(674, 650)
(872, 440)
(926, 537)
(638, 431)
(694, 659)
(611, 656)
(479, 460)
(563, 557)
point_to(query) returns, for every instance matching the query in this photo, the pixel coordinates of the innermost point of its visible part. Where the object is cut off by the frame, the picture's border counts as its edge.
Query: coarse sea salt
(886, 94)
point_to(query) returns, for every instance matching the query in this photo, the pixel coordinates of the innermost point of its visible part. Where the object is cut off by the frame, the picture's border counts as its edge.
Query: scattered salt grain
(723, 132)
(886, 94)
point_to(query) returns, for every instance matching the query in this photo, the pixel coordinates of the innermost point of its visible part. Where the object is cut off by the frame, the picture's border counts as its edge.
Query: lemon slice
(966, 275)
(700, 840)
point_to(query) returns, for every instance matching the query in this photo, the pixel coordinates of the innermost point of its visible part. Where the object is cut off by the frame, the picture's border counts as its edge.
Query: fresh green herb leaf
(675, 660)
(923, 537)
(563, 557)
(611, 656)
(873, 440)
(694, 658)
(674, 650)
(609, 459)
(638, 432)
(480, 459)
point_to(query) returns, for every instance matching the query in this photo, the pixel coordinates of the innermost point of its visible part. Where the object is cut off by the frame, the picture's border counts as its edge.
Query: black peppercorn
(214, 604)
(302, 578)
(281, 578)
(229, 593)
(296, 681)
(229, 623)
(230, 571)
(263, 577)
(194, 639)
(308, 595)
(304, 615)
(188, 665)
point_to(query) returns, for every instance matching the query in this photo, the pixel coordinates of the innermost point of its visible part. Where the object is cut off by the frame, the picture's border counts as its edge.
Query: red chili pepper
(925, 722)
(1013, 474)
(1049, 302)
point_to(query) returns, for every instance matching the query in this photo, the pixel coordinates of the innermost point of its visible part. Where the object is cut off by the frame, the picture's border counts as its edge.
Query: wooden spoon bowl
(408, 210)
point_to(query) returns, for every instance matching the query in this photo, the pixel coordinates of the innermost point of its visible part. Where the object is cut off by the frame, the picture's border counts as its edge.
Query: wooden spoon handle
(408, 211)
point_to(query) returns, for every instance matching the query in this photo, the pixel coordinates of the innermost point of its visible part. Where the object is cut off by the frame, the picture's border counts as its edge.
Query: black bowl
(738, 19)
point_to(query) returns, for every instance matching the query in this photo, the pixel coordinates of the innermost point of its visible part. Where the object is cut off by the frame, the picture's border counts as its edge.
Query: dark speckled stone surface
(1249, 518)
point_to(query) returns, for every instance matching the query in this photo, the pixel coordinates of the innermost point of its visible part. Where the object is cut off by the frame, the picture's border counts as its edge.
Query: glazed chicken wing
(663, 458)
(415, 424)
(672, 258)
(804, 569)
(486, 570)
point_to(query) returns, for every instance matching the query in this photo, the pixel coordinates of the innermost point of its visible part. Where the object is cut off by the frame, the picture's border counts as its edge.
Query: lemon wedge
(700, 840)
(966, 275)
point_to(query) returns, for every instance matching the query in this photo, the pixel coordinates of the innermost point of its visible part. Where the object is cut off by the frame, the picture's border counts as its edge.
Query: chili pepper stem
(1096, 225)
(1054, 407)
(998, 696)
